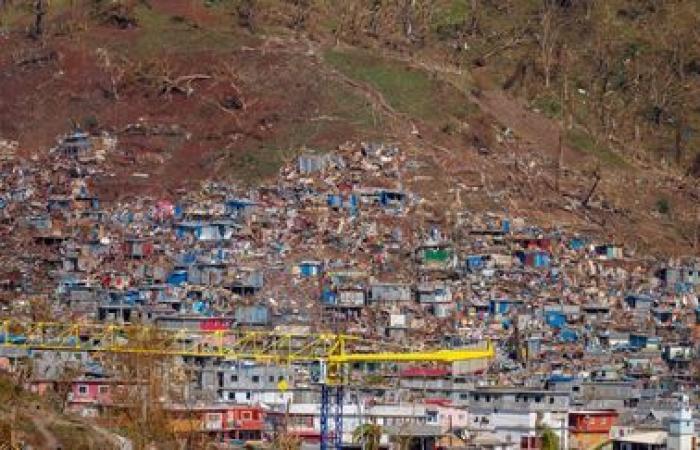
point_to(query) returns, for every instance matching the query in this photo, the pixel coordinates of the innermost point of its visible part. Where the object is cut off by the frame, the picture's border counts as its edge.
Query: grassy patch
(255, 165)
(410, 91)
(341, 115)
(158, 33)
(584, 142)
(451, 12)
(548, 105)
(352, 108)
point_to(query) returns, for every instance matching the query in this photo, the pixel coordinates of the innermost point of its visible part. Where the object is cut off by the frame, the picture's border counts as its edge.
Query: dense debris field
(178, 178)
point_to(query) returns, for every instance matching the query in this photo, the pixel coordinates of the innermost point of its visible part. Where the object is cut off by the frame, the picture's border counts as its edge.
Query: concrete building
(513, 413)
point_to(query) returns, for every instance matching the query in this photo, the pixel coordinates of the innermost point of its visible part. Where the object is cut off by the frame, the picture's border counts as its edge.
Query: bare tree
(63, 385)
(40, 9)
(548, 37)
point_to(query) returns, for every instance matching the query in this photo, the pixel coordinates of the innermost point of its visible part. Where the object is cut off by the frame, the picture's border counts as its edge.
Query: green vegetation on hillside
(582, 141)
(628, 71)
(408, 90)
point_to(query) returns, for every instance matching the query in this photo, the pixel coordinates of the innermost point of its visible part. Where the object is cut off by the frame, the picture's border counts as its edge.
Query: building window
(271, 378)
(231, 395)
(234, 378)
(280, 378)
(82, 389)
(246, 415)
(103, 389)
(551, 400)
(256, 379)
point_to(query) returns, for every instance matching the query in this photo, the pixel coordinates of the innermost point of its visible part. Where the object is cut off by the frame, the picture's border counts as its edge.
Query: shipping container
(252, 315)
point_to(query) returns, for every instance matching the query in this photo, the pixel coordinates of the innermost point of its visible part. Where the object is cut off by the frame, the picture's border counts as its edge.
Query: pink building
(446, 416)
(90, 397)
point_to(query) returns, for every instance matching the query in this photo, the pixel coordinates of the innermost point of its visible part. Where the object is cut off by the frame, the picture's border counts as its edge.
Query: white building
(681, 428)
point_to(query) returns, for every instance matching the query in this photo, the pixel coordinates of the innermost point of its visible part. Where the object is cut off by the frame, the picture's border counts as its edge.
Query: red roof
(438, 401)
(424, 372)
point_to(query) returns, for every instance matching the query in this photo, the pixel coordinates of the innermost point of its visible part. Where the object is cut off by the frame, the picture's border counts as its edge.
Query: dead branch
(596, 180)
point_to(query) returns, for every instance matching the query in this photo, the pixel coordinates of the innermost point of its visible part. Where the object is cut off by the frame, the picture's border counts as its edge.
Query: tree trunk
(407, 13)
(678, 141)
(39, 12)
(474, 20)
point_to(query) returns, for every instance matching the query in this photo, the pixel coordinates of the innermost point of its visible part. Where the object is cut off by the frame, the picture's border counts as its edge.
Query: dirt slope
(191, 96)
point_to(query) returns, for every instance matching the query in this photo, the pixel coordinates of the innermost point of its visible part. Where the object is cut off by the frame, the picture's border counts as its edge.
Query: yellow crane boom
(261, 346)
(331, 351)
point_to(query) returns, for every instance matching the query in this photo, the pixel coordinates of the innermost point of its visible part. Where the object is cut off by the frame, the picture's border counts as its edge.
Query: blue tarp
(559, 378)
(309, 269)
(388, 197)
(499, 306)
(353, 203)
(475, 262)
(505, 225)
(555, 319)
(334, 201)
(576, 243)
(13, 339)
(177, 278)
(568, 335)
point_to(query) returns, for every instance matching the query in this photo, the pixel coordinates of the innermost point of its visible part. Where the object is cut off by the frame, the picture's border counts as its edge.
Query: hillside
(476, 91)
(34, 422)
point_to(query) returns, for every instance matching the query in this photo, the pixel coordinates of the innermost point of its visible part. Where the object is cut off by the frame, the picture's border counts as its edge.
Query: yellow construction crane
(331, 351)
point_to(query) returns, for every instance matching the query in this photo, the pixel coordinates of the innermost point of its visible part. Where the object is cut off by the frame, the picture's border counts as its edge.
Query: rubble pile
(337, 242)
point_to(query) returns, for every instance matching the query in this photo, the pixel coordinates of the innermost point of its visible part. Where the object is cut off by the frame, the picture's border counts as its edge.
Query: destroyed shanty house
(75, 145)
(342, 242)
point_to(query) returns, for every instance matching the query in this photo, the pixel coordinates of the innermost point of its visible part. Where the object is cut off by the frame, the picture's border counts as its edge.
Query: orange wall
(587, 441)
(592, 423)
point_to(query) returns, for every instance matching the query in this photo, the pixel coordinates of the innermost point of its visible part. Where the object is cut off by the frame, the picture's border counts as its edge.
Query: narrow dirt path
(51, 443)
(119, 442)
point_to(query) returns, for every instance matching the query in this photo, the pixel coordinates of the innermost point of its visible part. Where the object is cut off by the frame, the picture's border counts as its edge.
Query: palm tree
(550, 440)
(369, 435)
